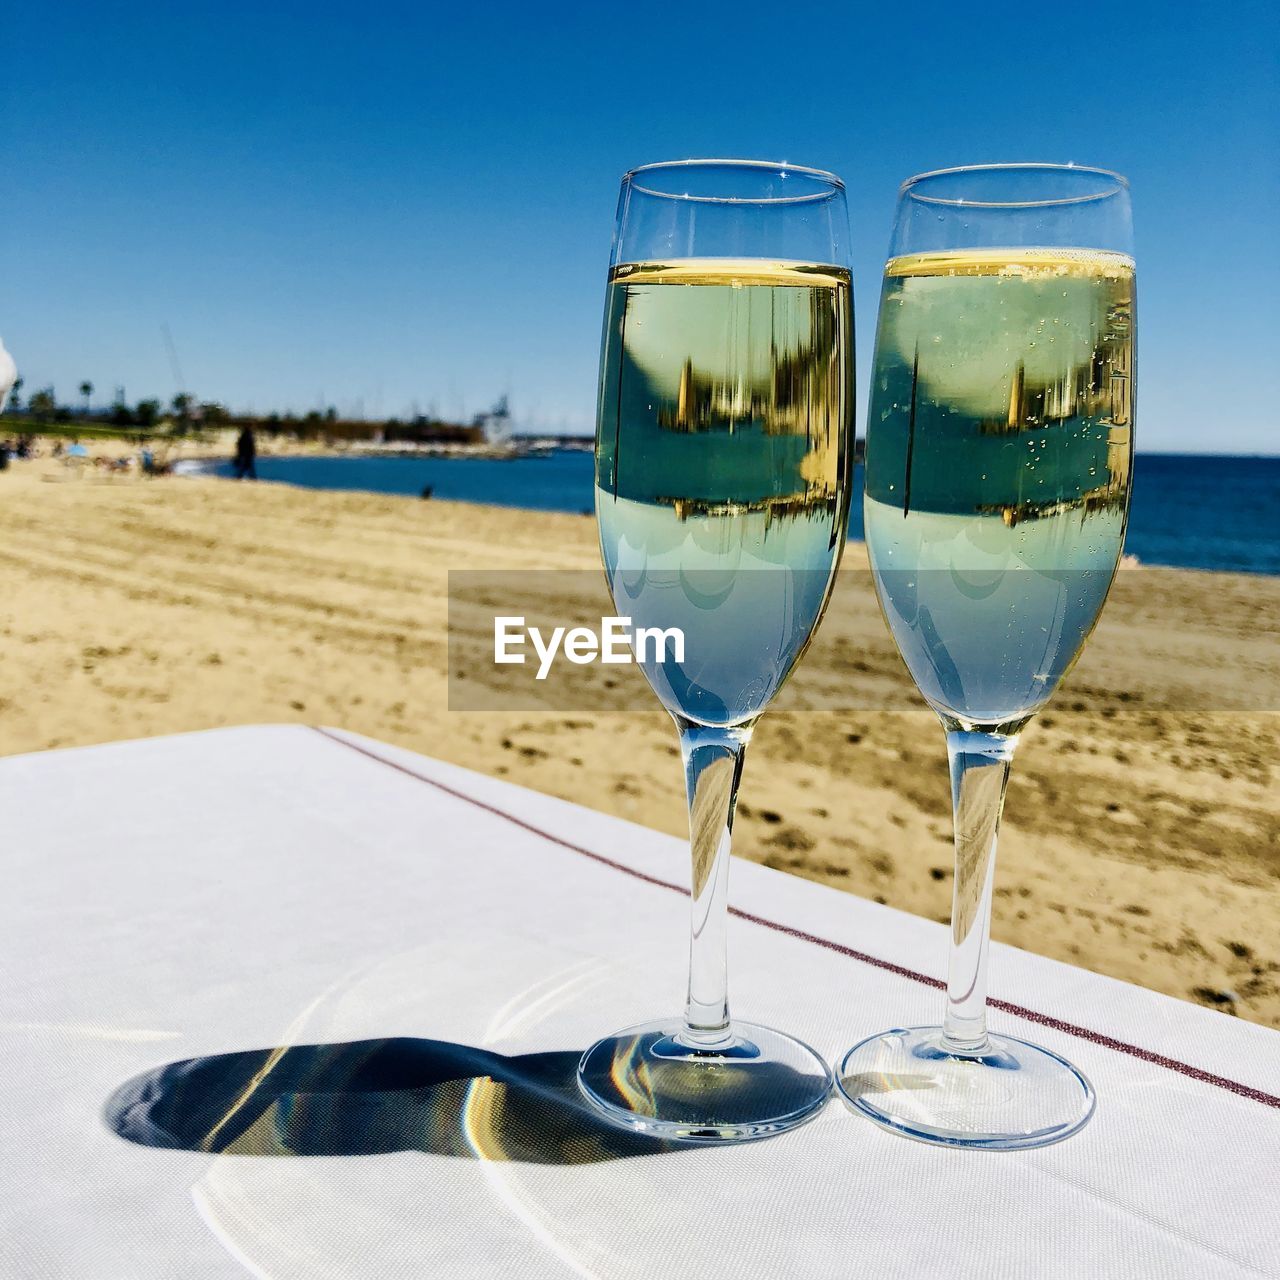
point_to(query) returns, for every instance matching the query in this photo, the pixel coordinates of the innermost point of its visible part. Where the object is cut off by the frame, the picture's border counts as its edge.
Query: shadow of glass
(372, 1097)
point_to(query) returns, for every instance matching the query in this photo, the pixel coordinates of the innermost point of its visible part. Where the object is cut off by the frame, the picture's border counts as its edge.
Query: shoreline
(193, 459)
(203, 464)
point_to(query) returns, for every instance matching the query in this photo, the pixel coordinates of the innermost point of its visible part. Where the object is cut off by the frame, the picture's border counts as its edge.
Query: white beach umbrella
(8, 375)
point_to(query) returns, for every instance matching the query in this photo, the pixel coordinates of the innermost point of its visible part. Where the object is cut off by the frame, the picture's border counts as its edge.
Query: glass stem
(979, 774)
(713, 769)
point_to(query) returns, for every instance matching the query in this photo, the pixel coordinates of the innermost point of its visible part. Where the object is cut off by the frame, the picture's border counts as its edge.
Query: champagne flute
(722, 488)
(998, 466)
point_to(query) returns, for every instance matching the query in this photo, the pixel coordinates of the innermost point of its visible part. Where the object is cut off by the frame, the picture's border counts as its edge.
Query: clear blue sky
(386, 204)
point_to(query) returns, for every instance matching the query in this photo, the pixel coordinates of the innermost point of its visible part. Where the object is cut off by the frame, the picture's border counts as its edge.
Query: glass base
(755, 1083)
(1009, 1096)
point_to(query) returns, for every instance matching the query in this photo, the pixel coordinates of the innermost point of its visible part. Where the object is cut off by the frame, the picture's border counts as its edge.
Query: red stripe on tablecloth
(1006, 1006)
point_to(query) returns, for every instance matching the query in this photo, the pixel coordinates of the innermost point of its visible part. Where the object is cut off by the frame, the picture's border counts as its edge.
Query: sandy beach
(1141, 837)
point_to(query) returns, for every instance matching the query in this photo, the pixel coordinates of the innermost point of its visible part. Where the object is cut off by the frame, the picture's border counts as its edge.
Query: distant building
(496, 424)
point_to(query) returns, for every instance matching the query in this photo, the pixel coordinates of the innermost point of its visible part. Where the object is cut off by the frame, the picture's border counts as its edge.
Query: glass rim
(1118, 183)
(833, 184)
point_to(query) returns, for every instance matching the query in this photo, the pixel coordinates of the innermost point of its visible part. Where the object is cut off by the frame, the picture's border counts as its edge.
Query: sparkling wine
(999, 455)
(722, 472)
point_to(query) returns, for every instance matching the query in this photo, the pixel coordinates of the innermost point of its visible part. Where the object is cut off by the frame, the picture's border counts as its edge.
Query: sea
(1189, 511)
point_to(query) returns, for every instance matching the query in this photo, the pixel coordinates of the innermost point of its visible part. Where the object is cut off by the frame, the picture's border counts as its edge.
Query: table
(379, 971)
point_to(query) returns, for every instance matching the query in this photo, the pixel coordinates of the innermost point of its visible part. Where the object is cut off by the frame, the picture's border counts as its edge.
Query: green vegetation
(184, 415)
(18, 425)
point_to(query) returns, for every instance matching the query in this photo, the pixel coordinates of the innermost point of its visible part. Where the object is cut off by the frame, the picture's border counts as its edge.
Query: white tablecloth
(252, 889)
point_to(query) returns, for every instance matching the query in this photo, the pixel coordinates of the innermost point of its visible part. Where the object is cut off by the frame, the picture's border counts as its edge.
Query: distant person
(4, 455)
(427, 491)
(246, 455)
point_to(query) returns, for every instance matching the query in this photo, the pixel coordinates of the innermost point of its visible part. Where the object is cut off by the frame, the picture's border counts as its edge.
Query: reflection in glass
(998, 464)
(722, 478)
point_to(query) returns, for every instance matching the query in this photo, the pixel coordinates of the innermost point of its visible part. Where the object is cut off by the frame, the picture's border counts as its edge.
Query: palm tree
(86, 390)
(181, 406)
(43, 405)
